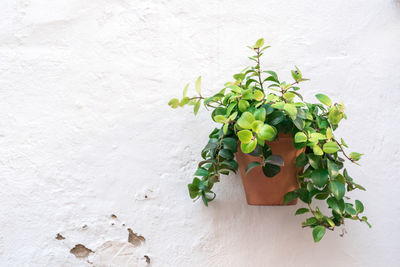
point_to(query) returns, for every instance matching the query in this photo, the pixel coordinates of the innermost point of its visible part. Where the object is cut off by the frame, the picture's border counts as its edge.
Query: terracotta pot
(262, 190)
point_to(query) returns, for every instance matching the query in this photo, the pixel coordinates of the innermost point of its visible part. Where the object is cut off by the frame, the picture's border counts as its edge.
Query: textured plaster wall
(90, 149)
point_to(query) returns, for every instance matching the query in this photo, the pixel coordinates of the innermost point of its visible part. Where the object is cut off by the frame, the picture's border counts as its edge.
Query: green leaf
(349, 209)
(246, 120)
(271, 170)
(334, 204)
(318, 233)
(258, 95)
(256, 126)
(324, 99)
(185, 90)
(174, 103)
(329, 133)
(252, 165)
(196, 107)
(301, 211)
(343, 143)
(194, 188)
(359, 206)
(355, 156)
(274, 76)
(233, 116)
(243, 105)
(198, 85)
(260, 114)
(300, 137)
(267, 132)
(290, 196)
(314, 160)
(275, 160)
(338, 189)
(317, 150)
(220, 119)
(226, 154)
(330, 147)
(184, 101)
(333, 169)
(201, 172)
(320, 177)
(230, 143)
(245, 136)
(278, 105)
(288, 96)
(259, 43)
(299, 123)
(301, 160)
(291, 110)
(249, 147)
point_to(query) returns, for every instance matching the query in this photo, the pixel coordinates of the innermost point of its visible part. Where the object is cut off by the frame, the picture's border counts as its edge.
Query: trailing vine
(253, 109)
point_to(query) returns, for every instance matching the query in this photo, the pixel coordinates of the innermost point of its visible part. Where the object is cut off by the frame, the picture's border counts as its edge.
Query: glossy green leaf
(359, 206)
(220, 118)
(330, 147)
(314, 160)
(243, 105)
(290, 196)
(251, 166)
(317, 150)
(185, 90)
(198, 85)
(245, 136)
(324, 99)
(249, 147)
(355, 156)
(334, 205)
(271, 170)
(301, 211)
(230, 143)
(226, 153)
(320, 177)
(329, 133)
(174, 103)
(318, 233)
(267, 132)
(258, 95)
(260, 114)
(300, 137)
(333, 169)
(301, 160)
(196, 107)
(201, 172)
(337, 189)
(288, 96)
(259, 43)
(291, 110)
(246, 120)
(343, 143)
(256, 126)
(275, 160)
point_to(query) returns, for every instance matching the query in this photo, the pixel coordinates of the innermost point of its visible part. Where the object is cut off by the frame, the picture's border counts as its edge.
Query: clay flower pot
(265, 191)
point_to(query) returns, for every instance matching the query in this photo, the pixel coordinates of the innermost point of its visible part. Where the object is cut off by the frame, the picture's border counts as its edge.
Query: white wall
(85, 130)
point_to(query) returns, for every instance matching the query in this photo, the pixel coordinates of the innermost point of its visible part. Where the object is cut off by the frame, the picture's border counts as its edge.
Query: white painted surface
(85, 131)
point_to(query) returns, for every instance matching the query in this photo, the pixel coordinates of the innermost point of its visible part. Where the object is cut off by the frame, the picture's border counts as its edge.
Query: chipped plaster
(85, 131)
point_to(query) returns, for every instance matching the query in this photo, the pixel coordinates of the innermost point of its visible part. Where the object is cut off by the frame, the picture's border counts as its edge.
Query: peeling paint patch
(59, 237)
(80, 251)
(134, 238)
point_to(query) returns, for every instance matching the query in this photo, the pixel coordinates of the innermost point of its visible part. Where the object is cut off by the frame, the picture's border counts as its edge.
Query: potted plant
(285, 147)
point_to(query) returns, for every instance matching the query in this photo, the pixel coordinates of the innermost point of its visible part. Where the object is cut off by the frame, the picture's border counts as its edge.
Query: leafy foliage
(253, 109)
